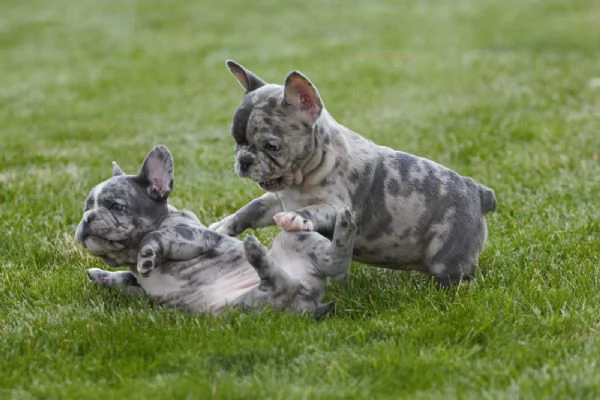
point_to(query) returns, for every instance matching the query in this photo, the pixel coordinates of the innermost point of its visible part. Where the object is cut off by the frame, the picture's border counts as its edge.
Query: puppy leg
(450, 275)
(318, 217)
(149, 256)
(453, 257)
(272, 278)
(123, 280)
(256, 214)
(179, 243)
(292, 221)
(339, 251)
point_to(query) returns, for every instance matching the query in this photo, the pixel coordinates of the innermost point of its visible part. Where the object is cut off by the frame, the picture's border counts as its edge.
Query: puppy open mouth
(272, 185)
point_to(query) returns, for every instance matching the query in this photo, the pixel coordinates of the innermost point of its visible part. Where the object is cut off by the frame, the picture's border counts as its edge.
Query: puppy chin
(268, 183)
(272, 185)
(99, 246)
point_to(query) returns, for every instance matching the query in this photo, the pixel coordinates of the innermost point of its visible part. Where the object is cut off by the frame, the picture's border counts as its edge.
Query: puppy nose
(245, 162)
(89, 217)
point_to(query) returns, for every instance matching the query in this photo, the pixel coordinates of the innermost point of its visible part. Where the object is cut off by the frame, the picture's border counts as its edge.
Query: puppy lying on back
(174, 259)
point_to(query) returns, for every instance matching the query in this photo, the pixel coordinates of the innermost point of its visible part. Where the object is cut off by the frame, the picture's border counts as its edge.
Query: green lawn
(507, 92)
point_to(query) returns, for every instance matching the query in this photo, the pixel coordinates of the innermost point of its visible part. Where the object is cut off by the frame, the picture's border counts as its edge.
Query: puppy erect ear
(116, 169)
(302, 94)
(247, 79)
(157, 173)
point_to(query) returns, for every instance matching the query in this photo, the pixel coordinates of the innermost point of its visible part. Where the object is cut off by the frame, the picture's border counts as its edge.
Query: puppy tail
(487, 199)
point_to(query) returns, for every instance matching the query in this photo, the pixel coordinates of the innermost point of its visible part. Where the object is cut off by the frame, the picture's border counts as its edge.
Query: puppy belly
(389, 253)
(160, 285)
(194, 295)
(228, 289)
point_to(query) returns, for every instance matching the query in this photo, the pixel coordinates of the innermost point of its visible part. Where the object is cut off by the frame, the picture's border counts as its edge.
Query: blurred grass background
(506, 92)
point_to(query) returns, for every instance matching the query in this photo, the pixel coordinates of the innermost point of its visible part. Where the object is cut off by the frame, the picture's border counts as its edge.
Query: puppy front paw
(98, 276)
(291, 222)
(147, 260)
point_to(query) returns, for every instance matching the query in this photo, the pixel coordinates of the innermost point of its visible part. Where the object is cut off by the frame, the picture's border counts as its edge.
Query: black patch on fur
(376, 220)
(393, 187)
(185, 232)
(307, 215)
(253, 211)
(403, 162)
(362, 179)
(240, 122)
(89, 203)
(234, 259)
(302, 236)
(212, 253)
(314, 259)
(131, 280)
(354, 176)
(272, 103)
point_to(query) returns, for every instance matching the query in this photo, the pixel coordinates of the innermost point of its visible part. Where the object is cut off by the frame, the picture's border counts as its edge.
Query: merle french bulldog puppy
(411, 213)
(174, 259)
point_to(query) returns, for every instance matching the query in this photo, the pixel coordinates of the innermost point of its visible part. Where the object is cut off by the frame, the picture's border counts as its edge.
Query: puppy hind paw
(145, 267)
(292, 222)
(146, 260)
(254, 250)
(345, 219)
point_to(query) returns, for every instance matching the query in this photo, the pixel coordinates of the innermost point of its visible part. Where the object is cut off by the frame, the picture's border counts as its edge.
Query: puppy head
(274, 129)
(121, 210)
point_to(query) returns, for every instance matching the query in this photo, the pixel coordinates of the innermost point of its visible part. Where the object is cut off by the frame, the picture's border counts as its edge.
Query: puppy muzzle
(244, 162)
(83, 231)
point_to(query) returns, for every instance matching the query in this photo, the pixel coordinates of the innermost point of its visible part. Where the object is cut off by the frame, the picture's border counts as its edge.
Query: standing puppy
(174, 259)
(411, 213)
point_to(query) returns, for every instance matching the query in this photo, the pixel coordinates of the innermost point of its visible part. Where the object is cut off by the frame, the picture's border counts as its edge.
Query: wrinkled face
(117, 213)
(273, 142)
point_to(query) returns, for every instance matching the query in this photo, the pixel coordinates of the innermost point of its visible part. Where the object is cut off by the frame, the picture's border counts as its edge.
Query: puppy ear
(157, 173)
(116, 169)
(302, 94)
(247, 79)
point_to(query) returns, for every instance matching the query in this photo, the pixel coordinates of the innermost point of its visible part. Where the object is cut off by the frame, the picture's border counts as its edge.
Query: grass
(506, 92)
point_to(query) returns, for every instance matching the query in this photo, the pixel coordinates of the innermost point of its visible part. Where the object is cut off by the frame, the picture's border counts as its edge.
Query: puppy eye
(270, 146)
(118, 207)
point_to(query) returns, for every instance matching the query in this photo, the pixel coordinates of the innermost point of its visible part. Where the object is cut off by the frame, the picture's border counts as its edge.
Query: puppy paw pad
(346, 219)
(147, 251)
(145, 266)
(291, 222)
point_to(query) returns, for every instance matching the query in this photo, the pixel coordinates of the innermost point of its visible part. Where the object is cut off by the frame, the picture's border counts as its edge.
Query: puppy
(174, 259)
(411, 213)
